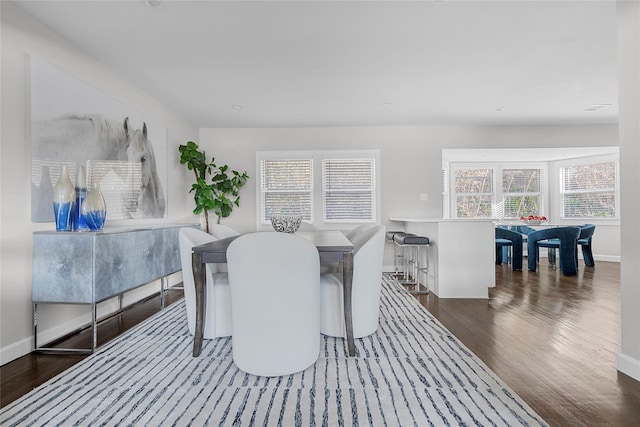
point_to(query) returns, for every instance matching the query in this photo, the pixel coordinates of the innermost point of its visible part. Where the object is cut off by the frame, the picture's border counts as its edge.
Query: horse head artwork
(151, 197)
(81, 140)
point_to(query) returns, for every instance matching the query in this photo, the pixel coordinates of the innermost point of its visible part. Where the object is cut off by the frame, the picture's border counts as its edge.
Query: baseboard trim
(629, 366)
(607, 258)
(24, 346)
(15, 350)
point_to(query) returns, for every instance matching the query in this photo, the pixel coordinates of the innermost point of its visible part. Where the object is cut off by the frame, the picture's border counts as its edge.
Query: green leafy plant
(216, 188)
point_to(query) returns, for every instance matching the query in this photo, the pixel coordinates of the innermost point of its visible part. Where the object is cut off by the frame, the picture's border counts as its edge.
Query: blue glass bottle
(64, 200)
(81, 193)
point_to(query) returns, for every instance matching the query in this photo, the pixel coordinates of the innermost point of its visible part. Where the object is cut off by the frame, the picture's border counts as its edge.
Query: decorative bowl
(286, 224)
(533, 221)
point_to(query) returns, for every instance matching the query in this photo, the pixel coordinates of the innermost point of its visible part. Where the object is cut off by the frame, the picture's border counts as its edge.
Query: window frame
(317, 200)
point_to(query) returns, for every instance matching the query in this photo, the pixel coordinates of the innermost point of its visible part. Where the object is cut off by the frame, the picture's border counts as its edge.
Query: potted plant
(216, 188)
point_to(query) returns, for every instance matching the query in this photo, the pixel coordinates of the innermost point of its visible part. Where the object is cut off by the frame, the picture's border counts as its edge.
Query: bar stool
(411, 246)
(398, 255)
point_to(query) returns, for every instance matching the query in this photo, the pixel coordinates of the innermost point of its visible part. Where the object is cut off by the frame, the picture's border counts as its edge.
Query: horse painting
(81, 140)
(151, 197)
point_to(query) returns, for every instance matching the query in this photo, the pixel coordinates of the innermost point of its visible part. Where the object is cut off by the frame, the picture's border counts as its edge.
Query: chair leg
(588, 256)
(503, 254)
(552, 257)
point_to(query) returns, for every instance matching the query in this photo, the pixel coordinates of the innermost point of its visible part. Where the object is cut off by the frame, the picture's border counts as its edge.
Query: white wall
(21, 37)
(410, 158)
(629, 107)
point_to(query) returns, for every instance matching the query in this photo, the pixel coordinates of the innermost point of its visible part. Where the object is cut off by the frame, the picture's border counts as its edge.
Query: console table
(91, 267)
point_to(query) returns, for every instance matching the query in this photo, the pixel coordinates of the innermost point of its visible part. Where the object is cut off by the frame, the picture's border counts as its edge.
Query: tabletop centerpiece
(286, 223)
(533, 219)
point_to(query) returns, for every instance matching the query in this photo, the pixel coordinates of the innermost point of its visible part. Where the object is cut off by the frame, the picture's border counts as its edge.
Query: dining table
(333, 247)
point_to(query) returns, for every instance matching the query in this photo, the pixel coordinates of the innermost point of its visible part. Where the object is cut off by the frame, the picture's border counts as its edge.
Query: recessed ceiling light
(499, 108)
(153, 3)
(236, 107)
(597, 107)
(386, 104)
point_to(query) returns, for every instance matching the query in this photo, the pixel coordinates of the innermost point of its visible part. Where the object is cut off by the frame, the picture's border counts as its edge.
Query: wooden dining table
(333, 246)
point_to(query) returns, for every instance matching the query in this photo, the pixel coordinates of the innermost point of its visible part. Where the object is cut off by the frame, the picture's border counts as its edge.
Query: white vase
(64, 199)
(94, 209)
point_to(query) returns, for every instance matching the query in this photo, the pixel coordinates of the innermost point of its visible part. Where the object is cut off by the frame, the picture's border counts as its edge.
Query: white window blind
(287, 188)
(522, 194)
(589, 190)
(348, 187)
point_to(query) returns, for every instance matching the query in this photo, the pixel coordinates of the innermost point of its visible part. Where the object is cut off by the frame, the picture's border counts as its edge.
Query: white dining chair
(336, 267)
(275, 303)
(352, 234)
(366, 288)
(218, 303)
(220, 231)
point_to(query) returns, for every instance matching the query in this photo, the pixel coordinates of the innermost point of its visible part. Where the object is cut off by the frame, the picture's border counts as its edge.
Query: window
(287, 188)
(349, 189)
(567, 185)
(521, 193)
(589, 190)
(497, 190)
(474, 193)
(323, 187)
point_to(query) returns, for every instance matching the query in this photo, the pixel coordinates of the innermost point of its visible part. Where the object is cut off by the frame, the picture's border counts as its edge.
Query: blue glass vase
(64, 200)
(81, 193)
(94, 209)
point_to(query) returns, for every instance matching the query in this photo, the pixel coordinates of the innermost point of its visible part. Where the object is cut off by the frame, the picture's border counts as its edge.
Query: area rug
(411, 372)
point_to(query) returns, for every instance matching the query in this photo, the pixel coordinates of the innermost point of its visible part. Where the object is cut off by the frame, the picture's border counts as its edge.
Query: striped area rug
(412, 372)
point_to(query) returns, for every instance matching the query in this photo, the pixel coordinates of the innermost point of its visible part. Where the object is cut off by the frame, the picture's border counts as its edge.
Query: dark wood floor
(552, 339)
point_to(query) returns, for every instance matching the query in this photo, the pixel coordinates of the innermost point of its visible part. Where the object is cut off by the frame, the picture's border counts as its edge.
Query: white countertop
(415, 219)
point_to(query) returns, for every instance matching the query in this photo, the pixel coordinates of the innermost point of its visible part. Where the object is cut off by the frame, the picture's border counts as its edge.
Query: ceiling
(355, 63)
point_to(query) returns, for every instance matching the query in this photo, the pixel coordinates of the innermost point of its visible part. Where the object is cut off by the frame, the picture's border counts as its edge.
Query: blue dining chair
(552, 245)
(584, 241)
(509, 239)
(568, 239)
